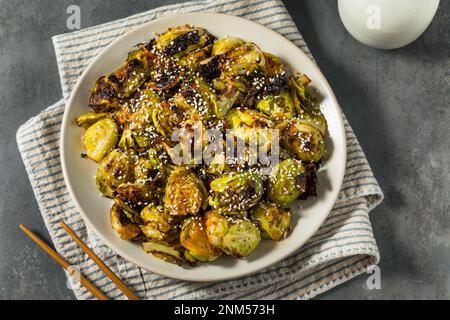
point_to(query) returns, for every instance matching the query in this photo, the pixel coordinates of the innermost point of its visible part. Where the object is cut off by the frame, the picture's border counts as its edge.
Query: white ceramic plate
(307, 215)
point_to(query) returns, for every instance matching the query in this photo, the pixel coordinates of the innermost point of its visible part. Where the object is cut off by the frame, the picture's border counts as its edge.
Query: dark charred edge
(273, 86)
(210, 70)
(277, 85)
(310, 182)
(135, 63)
(181, 43)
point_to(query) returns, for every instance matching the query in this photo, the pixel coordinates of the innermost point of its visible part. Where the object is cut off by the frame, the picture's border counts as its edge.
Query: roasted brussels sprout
(197, 95)
(244, 60)
(279, 107)
(247, 124)
(248, 118)
(273, 65)
(149, 169)
(193, 59)
(273, 221)
(179, 41)
(233, 192)
(185, 193)
(88, 119)
(116, 168)
(286, 182)
(236, 237)
(103, 96)
(226, 44)
(137, 195)
(167, 117)
(100, 138)
(122, 225)
(307, 106)
(135, 71)
(303, 140)
(157, 224)
(139, 129)
(193, 237)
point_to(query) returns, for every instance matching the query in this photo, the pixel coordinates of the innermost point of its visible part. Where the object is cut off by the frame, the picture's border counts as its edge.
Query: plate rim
(180, 276)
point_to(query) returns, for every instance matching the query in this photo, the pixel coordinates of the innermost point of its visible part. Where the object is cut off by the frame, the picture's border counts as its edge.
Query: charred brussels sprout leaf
(179, 41)
(169, 252)
(193, 237)
(273, 221)
(116, 168)
(307, 106)
(100, 138)
(122, 225)
(245, 60)
(226, 44)
(287, 182)
(236, 237)
(234, 192)
(185, 193)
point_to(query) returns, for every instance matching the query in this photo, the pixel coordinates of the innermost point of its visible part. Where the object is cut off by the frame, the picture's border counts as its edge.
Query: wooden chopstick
(63, 263)
(119, 283)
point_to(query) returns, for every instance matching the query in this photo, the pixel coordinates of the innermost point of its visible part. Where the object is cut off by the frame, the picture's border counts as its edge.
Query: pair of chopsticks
(63, 263)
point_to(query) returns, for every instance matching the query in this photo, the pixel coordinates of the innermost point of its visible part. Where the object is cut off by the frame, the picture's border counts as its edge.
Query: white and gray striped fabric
(343, 248)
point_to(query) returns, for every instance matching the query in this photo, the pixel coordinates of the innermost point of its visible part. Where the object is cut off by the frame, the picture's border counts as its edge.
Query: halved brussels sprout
(303, 140)
(236, 237)
(307, 106)
(234, 192)
(116, 168)
(169, 252)
(100, 138)
(148, 169)
(226, 44)
(135, 71)
(157, 224)
(273, 221)
(167, 117)
(248, 118)
(246, 124)
(197, 95)
(193, 237)
(244, 60)
(143, 53)
(139, 128)
(88, 119)
(138, 195)
(279, 107)
(286, 182)
(185, 193)
(193, 59)
(182, 40)
(122, 225)
(103, 96)
(273, 65)
(186, 147)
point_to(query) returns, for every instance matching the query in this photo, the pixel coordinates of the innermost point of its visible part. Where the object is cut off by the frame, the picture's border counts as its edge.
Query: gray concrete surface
(398, 102)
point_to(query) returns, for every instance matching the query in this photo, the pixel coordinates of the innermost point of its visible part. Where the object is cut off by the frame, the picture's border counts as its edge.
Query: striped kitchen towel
(343, 248)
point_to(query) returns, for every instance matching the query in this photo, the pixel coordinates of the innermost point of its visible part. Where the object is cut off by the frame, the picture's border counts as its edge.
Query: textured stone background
(398, 102)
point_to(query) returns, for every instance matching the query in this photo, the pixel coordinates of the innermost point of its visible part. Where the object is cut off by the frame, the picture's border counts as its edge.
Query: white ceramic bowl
(307, 216)
(387, 24)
